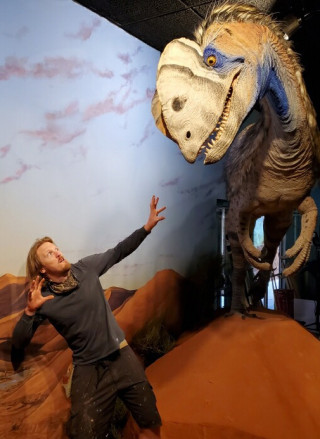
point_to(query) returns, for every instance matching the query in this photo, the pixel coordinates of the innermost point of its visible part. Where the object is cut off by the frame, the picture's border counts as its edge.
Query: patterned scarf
(68, 285)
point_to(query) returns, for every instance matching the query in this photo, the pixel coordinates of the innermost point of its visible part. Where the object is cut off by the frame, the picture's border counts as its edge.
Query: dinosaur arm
(302, 246)
(251, 253)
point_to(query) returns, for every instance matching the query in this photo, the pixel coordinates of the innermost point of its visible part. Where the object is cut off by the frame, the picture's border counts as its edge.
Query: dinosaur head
(205, 91)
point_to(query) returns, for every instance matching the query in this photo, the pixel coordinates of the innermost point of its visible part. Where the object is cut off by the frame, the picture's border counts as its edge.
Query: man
(71, 297)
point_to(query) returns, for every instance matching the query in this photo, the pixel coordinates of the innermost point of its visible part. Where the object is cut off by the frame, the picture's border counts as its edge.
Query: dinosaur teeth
(218, 129)
(201, 150)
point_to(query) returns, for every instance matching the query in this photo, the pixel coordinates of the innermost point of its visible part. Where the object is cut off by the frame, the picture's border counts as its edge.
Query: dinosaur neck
(280, 86)
(287, 151)
(270, 136)
(277, 95)
(266, 147)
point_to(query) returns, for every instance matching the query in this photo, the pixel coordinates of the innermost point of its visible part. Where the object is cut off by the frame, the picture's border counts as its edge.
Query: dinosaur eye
(211, 60)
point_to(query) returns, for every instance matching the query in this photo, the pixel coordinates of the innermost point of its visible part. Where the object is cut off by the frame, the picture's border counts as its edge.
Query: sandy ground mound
(252, 378)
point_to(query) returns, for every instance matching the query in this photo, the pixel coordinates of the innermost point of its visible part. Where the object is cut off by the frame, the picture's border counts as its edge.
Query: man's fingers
(161, 210)
(154, 201)
(48, 298)
(35, 282)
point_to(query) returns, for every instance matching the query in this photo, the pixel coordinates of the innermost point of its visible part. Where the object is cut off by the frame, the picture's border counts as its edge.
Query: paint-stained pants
(94, 391)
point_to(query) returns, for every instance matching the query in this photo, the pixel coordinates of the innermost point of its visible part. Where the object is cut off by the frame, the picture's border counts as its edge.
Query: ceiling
(156, 22)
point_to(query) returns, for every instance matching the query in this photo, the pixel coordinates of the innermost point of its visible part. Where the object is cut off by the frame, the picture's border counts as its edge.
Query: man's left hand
(154, 217)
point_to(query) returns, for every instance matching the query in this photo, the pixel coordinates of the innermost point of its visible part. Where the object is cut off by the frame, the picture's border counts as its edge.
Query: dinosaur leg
(274, 230)
(238, 302)
(302, 246)
(239, 265)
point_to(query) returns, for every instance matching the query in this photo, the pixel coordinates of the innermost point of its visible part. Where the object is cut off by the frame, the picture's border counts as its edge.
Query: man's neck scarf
(70, 284)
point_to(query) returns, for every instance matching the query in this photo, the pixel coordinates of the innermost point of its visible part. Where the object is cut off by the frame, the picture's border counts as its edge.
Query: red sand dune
(252, 378)
(240, 378)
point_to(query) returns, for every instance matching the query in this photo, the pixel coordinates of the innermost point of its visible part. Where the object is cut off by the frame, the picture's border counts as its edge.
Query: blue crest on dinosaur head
(270, 84)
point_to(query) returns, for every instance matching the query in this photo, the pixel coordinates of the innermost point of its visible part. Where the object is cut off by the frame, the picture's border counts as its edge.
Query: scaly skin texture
(205, 90)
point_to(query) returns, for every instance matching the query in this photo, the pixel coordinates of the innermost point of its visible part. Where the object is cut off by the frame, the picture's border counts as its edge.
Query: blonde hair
(33, 263)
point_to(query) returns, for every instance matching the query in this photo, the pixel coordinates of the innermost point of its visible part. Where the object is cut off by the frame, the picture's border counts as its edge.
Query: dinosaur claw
(301, 258)
(302, 247)
(250, 249)
(260, 265)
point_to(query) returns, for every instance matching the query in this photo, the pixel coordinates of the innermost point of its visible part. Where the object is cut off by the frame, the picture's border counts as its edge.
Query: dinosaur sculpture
(204, 91)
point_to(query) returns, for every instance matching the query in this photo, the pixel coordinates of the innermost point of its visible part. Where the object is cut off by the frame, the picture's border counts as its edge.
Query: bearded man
(71, 297)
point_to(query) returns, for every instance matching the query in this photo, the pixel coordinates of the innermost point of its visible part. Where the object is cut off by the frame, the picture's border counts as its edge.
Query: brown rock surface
(157, 299)
(117, 296)
(12, 294)
(32, 400)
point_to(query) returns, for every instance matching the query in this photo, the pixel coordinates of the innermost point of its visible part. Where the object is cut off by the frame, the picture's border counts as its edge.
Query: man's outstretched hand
(154, 212)
(35, 298)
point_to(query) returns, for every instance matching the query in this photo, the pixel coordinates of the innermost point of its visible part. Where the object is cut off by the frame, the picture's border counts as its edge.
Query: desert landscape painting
(231, 378)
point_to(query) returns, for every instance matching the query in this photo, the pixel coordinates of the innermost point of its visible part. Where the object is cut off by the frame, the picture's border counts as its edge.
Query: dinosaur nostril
(178, 104)
(188, 135)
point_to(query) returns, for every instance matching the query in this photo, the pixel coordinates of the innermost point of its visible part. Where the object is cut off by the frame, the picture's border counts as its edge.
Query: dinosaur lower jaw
(218, 130)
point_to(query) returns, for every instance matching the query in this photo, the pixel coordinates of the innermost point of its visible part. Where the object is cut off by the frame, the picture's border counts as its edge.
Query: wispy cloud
(4, 150)
(13, 67)
(208, 187)
(85, 31)
(54, 135)
(125, 58)
(111, 105)
(18, 34)
(18, 174)
(59, 66)
(148, 132)
(103, 73)
(150, 93)
(68, 111)
(172, 182)
(132, 74)
(138, 50)
(48, 68)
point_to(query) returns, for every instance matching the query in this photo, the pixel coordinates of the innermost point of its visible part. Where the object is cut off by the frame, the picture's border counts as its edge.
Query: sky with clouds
(80, 156)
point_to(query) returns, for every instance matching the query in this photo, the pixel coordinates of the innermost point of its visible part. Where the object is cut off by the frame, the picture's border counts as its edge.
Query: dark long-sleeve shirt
(83, 316)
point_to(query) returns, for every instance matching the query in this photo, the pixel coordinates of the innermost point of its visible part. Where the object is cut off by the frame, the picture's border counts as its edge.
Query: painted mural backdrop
(80, 156)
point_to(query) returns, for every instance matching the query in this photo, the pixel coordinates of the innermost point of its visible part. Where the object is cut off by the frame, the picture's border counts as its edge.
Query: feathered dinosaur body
(205, 90)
